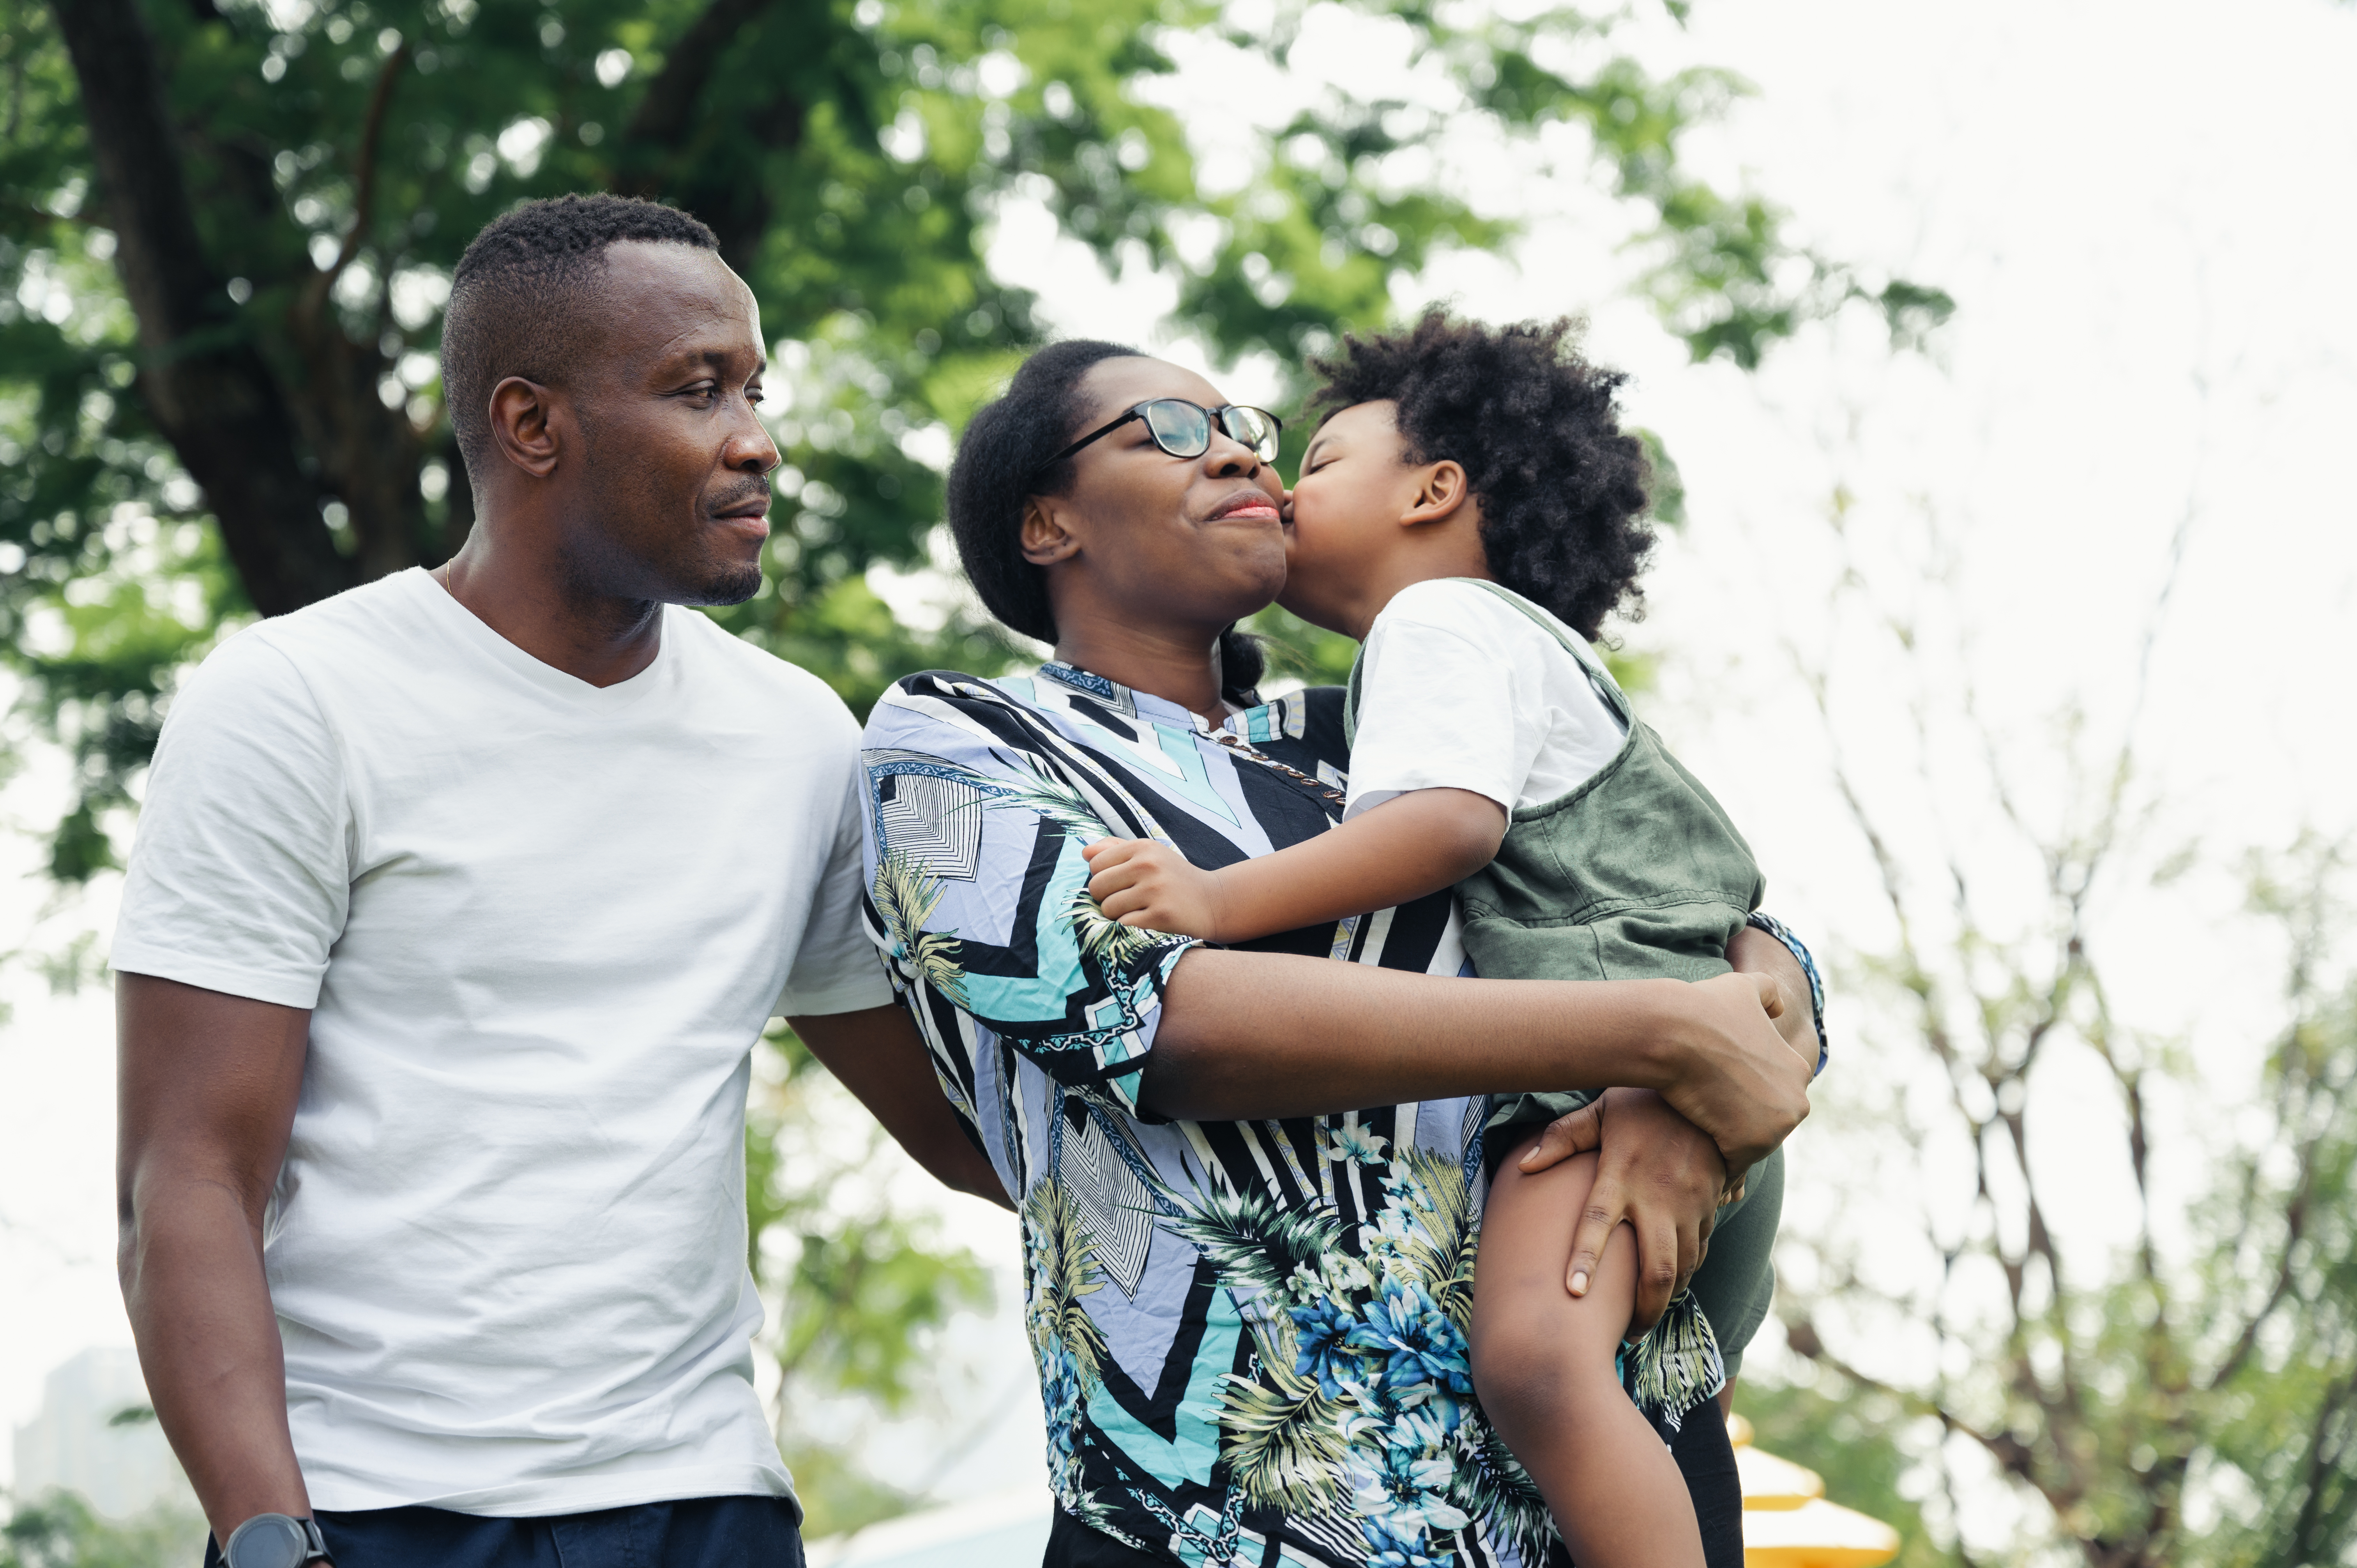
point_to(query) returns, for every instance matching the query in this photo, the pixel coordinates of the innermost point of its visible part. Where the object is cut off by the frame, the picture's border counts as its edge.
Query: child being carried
(1471, 510)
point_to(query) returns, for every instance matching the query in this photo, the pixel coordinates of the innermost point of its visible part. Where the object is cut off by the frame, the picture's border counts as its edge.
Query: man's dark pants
(696, 1532)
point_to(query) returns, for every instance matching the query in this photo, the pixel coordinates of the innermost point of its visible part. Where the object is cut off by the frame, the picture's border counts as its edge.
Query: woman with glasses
(1249, 1178)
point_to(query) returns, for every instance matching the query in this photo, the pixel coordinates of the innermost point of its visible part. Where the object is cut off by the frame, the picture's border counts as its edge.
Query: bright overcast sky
(2140, 209)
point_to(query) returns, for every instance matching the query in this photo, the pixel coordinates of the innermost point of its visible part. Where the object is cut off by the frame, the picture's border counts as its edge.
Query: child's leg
(1543, 1366)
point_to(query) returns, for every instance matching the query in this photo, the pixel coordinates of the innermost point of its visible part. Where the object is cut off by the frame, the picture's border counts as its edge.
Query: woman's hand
(1657, 1171)
(1753, 952)
(1141, 883)
(1731, 1073)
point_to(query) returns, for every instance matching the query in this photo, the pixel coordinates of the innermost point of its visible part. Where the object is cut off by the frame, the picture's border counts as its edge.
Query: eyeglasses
(1183, 429)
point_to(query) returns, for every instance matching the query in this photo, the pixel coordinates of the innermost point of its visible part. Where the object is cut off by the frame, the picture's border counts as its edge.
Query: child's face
(1355, 486)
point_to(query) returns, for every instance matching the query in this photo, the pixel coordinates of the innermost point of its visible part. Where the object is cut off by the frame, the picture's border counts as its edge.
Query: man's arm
(877, 1054)
(207, 1084)
(1249, 1034)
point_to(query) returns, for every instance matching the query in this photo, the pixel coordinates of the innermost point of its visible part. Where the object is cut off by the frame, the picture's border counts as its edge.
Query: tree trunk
(205, 385)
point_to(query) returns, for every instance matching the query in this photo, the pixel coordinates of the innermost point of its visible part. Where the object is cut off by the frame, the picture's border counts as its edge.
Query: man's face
(672, 500)
(1355, 485)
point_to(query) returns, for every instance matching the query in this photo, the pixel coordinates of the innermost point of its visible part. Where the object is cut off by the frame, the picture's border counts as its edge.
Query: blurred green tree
(226, 233)
(2163, 1416)
(61, 1531)
(226, 230)
(857, 1284)
(2179, 1389)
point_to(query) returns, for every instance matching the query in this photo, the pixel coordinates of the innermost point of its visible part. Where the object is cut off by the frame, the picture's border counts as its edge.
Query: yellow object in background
(1788, 1524)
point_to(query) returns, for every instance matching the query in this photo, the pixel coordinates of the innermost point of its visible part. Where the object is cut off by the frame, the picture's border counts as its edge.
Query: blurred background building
(96, 1435)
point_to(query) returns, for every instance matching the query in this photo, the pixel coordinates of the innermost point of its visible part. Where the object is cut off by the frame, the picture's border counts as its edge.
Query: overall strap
(1350, 697)
(1597, 675)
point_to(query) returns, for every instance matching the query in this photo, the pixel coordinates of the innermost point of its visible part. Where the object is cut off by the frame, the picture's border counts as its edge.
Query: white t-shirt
(539, 925)
(1463, 690)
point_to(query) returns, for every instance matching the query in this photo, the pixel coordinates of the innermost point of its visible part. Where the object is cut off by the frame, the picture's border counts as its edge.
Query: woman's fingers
(1745, 1087)
(1663, 1175)
(1608, 1205)
(1664, 1258)
(1564, 1137)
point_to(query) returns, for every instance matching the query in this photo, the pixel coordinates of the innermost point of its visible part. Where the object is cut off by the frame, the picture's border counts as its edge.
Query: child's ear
(1046, 540)
(1441, 492)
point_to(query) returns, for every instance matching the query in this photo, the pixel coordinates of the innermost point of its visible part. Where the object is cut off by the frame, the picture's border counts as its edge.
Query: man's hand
(1655, 1170)
(1141, 883)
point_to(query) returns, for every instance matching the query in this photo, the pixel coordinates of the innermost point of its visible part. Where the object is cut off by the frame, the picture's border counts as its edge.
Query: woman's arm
(1245, 1035)
(1412, 844)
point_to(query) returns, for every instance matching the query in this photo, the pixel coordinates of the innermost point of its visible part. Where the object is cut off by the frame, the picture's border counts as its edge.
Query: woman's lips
(1244, 506)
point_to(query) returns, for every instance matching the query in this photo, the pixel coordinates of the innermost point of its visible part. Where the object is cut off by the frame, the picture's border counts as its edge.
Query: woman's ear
(1046, 540)
(1441, 492)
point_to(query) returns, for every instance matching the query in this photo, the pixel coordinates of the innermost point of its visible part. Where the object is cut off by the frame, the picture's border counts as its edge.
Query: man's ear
(1441, 492)
(1046, 540)
(521, 425)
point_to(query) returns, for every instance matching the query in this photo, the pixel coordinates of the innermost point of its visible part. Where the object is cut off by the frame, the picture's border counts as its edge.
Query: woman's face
(1140, 535)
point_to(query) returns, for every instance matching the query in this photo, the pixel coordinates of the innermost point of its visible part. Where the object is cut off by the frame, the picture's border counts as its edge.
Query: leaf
(1251, 1243)
(1283, 1441)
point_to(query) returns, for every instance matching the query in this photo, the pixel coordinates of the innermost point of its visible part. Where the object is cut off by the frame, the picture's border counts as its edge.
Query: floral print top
(1251, 1335)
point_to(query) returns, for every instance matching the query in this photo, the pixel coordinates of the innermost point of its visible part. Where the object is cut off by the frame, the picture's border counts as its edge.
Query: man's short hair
(517, 299)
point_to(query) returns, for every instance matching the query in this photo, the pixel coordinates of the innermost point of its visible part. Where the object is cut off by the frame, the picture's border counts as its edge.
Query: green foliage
(2278, 1408)
(2196, 1413)
(336, 155)
(61, 1531)
(851, 155)
(858, 1284)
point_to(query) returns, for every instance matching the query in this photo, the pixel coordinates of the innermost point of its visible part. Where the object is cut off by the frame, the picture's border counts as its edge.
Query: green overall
(1637, 873)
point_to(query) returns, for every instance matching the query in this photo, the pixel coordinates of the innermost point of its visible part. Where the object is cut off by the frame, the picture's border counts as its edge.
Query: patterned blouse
(1251, 1335)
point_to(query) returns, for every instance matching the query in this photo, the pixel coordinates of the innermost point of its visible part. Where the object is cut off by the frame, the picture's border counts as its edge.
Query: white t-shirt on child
(539, 925)
(1463, 690)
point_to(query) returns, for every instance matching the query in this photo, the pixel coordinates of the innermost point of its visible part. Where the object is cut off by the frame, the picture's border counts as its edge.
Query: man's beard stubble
(600, 560)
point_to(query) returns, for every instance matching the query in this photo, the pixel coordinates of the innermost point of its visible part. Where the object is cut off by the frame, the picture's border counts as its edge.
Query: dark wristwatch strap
(274, 1541)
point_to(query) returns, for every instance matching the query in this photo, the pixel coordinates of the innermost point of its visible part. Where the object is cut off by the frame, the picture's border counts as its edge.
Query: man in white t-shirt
(457, 905)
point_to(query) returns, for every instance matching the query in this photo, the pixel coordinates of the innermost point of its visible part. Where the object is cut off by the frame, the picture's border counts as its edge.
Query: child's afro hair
(1561, 488)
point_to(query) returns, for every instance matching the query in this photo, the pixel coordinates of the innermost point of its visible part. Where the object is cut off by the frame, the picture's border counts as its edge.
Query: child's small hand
(1141, 883)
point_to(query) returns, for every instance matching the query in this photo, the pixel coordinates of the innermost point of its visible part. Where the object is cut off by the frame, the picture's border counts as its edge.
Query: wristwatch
(275, 1540)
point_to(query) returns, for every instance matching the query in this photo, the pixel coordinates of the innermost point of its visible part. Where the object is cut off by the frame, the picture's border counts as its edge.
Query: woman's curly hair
(1561, 488)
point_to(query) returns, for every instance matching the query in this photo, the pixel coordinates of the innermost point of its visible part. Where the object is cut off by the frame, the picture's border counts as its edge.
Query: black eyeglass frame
(1212, 417)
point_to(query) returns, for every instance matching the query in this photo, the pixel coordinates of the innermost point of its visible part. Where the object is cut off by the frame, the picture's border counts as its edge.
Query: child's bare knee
(1522, 1368)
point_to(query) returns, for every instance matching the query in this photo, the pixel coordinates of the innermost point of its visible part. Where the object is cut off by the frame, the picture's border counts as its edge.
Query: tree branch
(203, 382)
(668, 105)
(365, 175)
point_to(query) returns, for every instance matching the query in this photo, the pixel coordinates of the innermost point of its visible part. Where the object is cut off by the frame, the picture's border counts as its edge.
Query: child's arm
(1415, 843)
